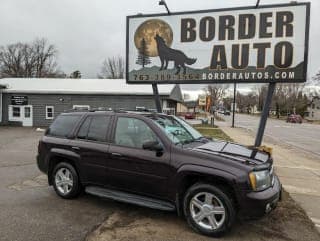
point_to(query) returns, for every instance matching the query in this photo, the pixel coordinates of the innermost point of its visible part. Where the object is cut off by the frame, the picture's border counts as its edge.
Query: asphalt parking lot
(30, 210)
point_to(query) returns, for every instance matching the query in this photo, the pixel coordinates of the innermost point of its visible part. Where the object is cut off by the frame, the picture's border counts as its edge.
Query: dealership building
(37, 101)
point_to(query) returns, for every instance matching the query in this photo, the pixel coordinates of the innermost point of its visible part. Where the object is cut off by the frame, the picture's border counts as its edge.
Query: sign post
(268, 44)
(265, 114)
(157, 98)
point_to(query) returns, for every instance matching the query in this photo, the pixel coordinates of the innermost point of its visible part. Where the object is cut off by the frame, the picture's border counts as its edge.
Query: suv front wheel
(65, 180)
(208, 209)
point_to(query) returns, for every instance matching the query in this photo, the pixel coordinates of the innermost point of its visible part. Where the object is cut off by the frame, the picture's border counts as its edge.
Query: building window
(16, 111)
(313, 106)
(49, 112)
(27, 112)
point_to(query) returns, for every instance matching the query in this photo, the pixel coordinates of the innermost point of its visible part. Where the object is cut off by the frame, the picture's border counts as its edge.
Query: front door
(132, 168)
(21, 113)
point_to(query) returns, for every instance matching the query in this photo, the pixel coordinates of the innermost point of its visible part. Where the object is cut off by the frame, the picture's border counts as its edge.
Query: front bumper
(256, 204)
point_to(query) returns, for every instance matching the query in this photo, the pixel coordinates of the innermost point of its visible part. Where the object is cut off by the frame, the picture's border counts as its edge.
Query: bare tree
(288, 98)
(45, 57)
(216, 92)
(261, 93)
(246, 102)
(36, 59)
(112, 68)
(316, 77)
(315, 81)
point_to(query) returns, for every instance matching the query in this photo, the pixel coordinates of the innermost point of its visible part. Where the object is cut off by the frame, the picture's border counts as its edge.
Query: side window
(83, 131)
(63, 125)
(94, 128)
(133, 132)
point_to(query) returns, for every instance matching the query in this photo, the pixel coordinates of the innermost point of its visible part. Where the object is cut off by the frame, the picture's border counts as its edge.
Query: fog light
(268, 208)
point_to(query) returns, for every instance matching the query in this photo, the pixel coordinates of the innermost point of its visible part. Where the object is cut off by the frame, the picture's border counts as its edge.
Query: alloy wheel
(64, 180)
(207, 211)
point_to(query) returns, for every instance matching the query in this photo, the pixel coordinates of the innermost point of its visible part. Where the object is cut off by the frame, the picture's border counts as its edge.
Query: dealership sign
(19, 100)
(249, 45)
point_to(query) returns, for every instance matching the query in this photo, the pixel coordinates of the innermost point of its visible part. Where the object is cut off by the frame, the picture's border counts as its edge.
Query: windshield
(179, 131)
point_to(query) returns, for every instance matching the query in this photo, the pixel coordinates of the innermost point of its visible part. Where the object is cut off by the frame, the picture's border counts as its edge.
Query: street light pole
(154, 85)
(234, 103)
(163, 2)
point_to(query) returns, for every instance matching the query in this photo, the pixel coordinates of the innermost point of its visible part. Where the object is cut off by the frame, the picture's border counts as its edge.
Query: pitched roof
(79, 86)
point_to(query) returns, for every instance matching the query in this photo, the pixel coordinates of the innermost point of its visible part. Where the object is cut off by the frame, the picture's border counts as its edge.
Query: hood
(234, 151)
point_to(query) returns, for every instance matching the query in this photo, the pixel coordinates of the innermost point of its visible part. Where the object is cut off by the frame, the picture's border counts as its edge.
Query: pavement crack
(18, 165)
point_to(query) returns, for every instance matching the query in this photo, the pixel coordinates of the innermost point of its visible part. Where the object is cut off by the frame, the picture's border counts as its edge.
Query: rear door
(130, 166)
(92, 145)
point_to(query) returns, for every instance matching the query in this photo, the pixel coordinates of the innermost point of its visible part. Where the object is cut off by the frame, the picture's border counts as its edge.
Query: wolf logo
(167, 54)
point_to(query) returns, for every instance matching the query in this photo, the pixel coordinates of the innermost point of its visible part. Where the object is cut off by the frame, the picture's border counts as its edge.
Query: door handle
(75, 148)
(115, 154)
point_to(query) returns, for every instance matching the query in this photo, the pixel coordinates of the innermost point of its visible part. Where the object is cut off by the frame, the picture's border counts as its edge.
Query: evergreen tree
(143, 57)
(75, 75)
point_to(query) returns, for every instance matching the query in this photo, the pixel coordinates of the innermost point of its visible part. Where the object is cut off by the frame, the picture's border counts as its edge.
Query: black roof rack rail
(120, 110)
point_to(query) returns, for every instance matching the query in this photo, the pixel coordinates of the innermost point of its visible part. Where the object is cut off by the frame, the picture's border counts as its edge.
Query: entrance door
(21, 113)
(27, 115)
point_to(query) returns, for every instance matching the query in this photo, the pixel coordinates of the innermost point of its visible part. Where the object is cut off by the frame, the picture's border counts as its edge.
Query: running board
(130, 198)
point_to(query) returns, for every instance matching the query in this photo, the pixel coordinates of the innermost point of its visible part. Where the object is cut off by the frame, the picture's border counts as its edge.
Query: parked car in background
(294, 118)
(226, 112)
(190, 115)
(161, 162)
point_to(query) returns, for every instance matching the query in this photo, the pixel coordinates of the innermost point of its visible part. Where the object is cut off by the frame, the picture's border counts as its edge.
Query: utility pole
(234, 103)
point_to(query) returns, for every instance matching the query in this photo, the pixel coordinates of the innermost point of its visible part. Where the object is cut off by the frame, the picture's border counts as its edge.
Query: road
(29, 209)
(303, 136)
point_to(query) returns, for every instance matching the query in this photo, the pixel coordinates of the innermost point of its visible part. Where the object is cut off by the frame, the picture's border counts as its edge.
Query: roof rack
(120, 110)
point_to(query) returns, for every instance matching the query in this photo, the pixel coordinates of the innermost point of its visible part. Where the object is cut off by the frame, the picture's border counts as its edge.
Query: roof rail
(120, 110)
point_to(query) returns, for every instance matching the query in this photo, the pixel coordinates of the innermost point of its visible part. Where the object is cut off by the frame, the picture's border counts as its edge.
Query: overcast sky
(87, 31)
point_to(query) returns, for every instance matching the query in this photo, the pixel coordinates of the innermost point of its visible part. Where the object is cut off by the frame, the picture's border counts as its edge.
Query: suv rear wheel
(65, 180)
(208, 209)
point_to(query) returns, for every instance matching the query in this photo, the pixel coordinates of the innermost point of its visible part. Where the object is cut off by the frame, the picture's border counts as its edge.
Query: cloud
(87, 32)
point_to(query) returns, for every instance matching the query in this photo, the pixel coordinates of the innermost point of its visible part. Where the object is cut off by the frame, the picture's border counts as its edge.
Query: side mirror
(208, 137)
(152, 146)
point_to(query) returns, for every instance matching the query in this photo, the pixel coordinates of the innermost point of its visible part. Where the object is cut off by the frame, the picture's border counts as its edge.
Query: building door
(21, 113)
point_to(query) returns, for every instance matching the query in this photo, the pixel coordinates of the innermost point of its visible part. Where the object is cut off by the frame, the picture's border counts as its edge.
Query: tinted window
(83, 131)
(63, 125)
(98, 128)
(133, 132)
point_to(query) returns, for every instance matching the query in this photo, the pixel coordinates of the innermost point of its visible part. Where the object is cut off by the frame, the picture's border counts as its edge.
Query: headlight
(260, 180)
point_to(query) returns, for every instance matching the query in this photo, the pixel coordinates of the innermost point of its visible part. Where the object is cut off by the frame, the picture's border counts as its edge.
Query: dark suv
(158, 161)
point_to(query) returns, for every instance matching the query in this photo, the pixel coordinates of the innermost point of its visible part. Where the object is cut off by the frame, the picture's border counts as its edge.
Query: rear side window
(83, 131)
(94, 128)
(63, 125)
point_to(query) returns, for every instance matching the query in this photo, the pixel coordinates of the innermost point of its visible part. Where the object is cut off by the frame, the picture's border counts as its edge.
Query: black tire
(76, 186)
(225, 200)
